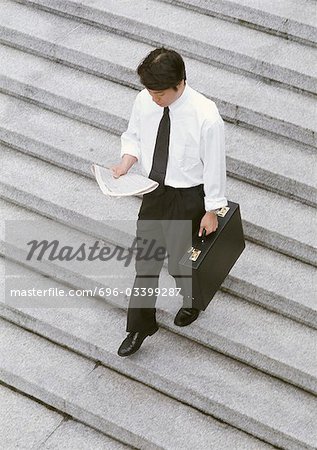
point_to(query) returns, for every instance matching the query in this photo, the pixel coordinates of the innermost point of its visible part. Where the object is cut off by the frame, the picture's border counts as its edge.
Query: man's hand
(209, 222)
(126, 163)
(118, 170)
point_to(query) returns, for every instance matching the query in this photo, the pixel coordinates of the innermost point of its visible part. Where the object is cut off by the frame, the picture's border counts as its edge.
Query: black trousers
(167, 218)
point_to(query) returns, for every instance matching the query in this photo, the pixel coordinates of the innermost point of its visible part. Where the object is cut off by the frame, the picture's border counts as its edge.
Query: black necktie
(160, 155)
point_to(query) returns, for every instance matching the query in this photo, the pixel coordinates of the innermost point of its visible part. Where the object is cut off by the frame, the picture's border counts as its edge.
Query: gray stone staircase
(244, 375)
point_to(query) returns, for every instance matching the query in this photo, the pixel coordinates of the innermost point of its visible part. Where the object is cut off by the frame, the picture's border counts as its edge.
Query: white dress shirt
(197, 144)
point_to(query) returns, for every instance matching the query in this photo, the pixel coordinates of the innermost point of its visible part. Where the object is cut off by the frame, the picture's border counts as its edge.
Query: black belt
(163, 188)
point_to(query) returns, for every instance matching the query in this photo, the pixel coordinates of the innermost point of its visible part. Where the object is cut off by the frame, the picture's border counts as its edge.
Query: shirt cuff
(133, 151)
(215, 204)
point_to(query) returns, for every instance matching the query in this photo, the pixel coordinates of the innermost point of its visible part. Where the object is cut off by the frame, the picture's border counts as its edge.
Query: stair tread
(302, 11)
(284, 15)
(26, 423)
(72, 434)
(101, 394)
(30, 424)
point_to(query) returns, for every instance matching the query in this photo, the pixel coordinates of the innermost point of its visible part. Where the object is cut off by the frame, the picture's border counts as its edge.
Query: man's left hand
(209, 222)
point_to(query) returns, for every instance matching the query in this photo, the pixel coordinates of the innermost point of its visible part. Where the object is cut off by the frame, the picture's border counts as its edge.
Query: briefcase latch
(222, 211)
(194, 253)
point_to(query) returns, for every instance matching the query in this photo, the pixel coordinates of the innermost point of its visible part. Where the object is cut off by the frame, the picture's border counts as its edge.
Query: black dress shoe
(186, 316)
(133, 342)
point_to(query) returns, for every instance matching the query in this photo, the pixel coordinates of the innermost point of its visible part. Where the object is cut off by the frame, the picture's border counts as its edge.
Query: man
(177, 135)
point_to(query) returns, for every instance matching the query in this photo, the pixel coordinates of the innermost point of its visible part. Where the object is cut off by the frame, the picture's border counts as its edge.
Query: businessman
(177, 136)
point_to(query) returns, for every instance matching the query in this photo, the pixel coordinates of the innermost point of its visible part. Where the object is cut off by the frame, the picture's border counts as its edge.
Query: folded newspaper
(125, 185)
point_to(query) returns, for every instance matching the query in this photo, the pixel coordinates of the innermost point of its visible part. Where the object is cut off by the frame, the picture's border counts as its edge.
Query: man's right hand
(118, 170)
(126, 163)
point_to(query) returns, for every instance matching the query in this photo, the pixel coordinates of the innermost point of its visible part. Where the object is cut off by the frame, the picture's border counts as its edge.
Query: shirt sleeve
(130, 139)
(214, 160)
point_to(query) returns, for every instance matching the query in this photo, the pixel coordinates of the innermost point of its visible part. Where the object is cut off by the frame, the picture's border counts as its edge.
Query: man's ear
(179, 85)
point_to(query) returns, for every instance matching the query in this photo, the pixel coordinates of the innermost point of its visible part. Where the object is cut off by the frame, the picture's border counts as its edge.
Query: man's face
(167, 96)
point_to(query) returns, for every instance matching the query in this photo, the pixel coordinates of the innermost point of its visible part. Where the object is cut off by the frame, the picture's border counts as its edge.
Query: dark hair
(162, 69)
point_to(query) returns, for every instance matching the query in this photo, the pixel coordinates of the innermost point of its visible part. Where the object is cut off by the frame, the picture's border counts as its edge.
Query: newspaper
(125, 185)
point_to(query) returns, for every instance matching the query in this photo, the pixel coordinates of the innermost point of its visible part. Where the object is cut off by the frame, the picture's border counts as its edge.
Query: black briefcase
(212, 257)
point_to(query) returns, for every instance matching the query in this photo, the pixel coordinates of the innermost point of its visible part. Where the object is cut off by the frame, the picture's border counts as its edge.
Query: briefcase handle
(203, 236)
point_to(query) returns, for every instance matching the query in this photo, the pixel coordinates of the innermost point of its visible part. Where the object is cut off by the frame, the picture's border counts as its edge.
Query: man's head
(163, 74)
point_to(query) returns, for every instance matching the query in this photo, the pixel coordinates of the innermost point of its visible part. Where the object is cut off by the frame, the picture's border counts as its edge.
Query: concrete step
(98, 396)
(64, 141)
(29, 424)
(284, 232)
(196, 35)
(254, 277)
(240, 99)
(230, 325)
(290, 19)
